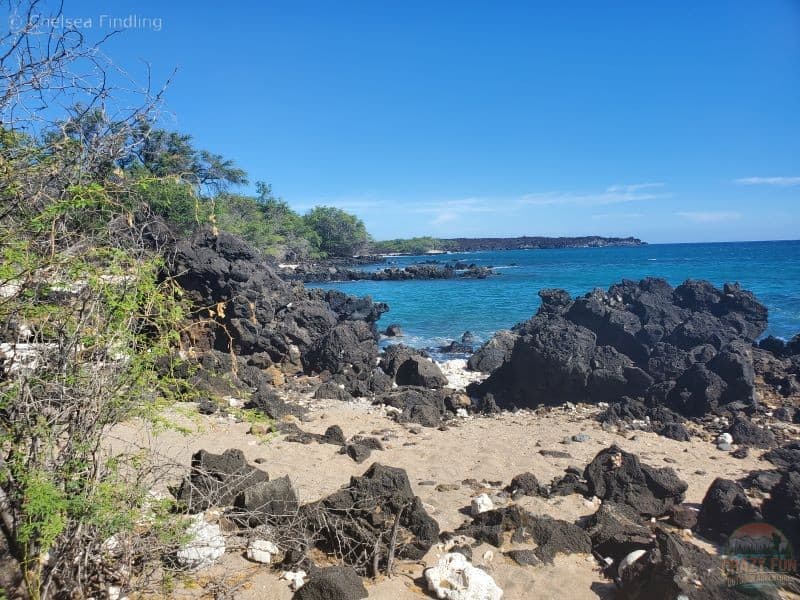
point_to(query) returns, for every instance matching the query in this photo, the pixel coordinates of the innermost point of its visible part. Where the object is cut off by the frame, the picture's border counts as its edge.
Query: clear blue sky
(671, 121)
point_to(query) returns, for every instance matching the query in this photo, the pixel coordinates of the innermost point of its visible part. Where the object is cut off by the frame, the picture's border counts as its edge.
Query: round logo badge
(758, 556)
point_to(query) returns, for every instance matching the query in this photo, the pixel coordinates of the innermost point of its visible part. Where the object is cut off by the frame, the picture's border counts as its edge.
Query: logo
(758, 556)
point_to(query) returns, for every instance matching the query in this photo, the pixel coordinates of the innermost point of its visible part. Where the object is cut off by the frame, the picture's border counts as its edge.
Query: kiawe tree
(340, 233)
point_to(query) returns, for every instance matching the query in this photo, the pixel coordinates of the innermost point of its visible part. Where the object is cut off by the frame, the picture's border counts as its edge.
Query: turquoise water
(434, 312)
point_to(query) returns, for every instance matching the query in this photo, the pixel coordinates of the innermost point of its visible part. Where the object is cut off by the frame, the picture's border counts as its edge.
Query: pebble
(725, 447)
(447, 487)
(742, 452)
(428, 482)
(581, 437)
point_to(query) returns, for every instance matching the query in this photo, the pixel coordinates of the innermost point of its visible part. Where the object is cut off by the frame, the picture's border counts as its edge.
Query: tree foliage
(340, 233)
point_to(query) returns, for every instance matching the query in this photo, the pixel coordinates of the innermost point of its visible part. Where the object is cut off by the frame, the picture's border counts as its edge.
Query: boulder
(217, 479)
(725, 508)
(417, 405)
(618, 476)
(348, 348)
(747, 433)
(267, 401)
(357, 519)
(617, 530)
(333, 435)
(525, 483)
(394, 356)
(782, 509)
(267, 502)
(330, 390)
(493, 353)
(421, 372)
(358, 452)
(332, 583)
(785, 456)
(455, 578)
(204, 545)
(554, 536)
(393, 330)
(675, 569)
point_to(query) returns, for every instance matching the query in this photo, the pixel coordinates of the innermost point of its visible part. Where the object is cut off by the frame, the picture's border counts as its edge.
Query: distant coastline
(430, 245)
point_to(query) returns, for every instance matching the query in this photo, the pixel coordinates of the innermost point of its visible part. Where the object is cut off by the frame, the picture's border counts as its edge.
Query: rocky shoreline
(564, 409)
(319, 273)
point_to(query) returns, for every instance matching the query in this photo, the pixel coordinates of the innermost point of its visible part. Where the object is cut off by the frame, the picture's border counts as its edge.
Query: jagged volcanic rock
(688, 348)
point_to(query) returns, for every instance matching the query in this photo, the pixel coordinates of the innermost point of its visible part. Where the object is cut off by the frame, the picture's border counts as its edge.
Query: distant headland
(430, 245)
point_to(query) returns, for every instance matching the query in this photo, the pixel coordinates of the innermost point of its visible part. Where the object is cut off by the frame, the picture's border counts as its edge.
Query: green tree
(171, 154)
(340, 233)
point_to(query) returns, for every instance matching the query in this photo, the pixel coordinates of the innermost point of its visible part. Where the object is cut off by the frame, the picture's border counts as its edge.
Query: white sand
(482, 448)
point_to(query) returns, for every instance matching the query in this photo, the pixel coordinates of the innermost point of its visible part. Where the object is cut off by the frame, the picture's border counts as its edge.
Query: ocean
(434, 312)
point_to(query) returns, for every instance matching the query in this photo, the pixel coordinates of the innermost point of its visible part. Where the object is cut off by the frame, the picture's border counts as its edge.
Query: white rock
(725, 438)
(455, 578)
(462, 413)
(482, 504)
(261, 551)
(205, 546)
(629, 560)
(296, 579)
(115, 593)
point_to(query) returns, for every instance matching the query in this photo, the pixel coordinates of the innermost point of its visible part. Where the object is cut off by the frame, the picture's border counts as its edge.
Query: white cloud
(445, 217)
(618, 216)
(634, 187)
(779, 181)
(615, 194)
(710, 217)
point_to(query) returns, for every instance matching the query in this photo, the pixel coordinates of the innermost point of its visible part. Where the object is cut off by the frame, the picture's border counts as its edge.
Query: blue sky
(672, 121)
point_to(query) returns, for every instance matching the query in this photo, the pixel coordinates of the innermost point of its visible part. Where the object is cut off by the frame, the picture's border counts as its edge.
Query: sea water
(433, 312)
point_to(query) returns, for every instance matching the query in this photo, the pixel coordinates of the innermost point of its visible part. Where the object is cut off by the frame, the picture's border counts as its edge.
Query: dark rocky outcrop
(551, 536)
(779, 370)
(243, 306)
(725, 508)
(687, 348)
(332, 583)
(618, 476)
(637, 414)
(217, 479)
(323, 273)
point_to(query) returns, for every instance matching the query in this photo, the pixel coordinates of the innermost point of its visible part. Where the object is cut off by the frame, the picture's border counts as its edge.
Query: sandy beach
(488, 450)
